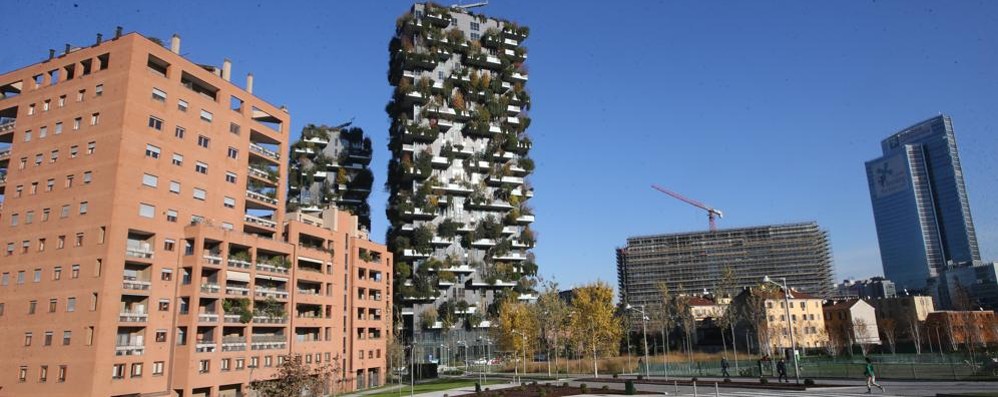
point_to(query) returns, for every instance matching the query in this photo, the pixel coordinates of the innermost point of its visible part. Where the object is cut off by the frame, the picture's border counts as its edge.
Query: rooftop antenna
(470, 6)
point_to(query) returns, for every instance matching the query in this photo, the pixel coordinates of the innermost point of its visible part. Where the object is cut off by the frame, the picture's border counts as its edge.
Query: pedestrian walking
(781, 368)
(871, 377)
(724, 367)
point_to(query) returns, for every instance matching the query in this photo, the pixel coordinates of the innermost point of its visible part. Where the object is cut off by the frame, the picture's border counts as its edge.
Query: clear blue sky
(766, 110)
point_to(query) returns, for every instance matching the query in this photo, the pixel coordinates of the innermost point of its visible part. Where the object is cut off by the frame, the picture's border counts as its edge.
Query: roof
(701, 301)
(778, 294)
(840, 305)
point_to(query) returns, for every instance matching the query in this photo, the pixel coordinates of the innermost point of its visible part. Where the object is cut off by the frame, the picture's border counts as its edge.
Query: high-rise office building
(460, 223)
(146, 246)
(691, 263)
(920, 204)
(330, 167)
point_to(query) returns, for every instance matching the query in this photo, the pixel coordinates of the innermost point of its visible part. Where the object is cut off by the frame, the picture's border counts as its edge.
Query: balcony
(520, 77)
(133, 283)
(418, 213)
(275, 293)
(133, 317)
(267, 267)
(440, 241)
(262, 175)
(208, 317)
(138, 249)
(510, 230)
(411, 253)
(205, 347)
(439, 162)
(456, 189)
(483, 242)
(264, 152)
(236, 291)
(210, 288)
(512, 256)
(268, 342)
(260, 222)
(129, 349)
(262, 198)
(212, 258)
(513, 109)
(269, 320)
(233, 343)
(238, 263)
(231, 319)
(321, 141)
(525, 219)
(4, 155)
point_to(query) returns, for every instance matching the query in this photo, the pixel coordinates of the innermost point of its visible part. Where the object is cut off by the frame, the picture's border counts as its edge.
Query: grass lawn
(434, 385)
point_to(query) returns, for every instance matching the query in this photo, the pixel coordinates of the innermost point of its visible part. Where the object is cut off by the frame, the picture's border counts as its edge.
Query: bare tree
(888, 327)
(860, 330)
(915, 332)
(833, 344)
(295, 378)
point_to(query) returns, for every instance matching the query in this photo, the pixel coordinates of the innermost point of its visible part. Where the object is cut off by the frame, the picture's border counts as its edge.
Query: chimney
(226, 69)
(67, 49)
(117, 32)
(249, 83)
(51, 54)
(100, 38)
(175, 44)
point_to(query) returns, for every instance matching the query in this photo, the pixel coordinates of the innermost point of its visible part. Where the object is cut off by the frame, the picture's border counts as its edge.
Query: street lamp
(524, 336)
(786, 306)
(644, 331)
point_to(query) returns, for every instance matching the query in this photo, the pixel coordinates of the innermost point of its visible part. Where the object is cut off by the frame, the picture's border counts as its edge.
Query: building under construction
(694, 262)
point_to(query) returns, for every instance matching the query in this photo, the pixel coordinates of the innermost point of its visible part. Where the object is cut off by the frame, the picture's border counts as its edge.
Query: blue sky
(764, 109)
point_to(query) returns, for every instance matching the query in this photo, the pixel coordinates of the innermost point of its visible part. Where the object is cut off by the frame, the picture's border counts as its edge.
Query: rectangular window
(49, 185)
(171, 215)
(234, 128)
(64, 211)
(150, 180)
(179, 132)
(43, 132)
(233, 153)
(206, 115)
(199, 194)
(158, 95)
(62, 100)
(94, 118)
(76, 123)
(57, 273)
(229, 202)
(54, 156)
(157, 368)
(83, 207)
(118, 371)
(73, 151)
(27, 339)
(22, 374)
(204, 366)
(203, 141)
(178, 159)
(200, 167)
(99, 90)
(71, 304)
(58, 128)
(75, 272)
(27, 136)
(38, 275)
(136, 370)
(474, 26)
(147, 211)
(43, 373)
(62, 374)
(88, 177)
(230, 177)
(182, 105)
(175, 187)
(152, 151)
(91, 147)
(155, 123)
(67, 337)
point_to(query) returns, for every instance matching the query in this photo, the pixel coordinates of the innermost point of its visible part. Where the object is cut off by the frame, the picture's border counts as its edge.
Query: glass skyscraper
(920, 204)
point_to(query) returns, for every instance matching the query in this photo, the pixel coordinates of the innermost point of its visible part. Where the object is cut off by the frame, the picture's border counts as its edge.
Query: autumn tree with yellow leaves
(593, 322)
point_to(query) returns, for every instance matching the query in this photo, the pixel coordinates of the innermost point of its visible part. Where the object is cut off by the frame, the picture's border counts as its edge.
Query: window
(64, 212)
(175, 187)
(204, 366)
(179, 132)
(48, 338)
(73, 151)
(23, 163)
(158, 95)
(240, 363)
(5, 279)
(150, 180)
(1, 308)
(32, 306)
(178, 159)
(57, 273)
(27, 339)
(58, 128)
(201, 168)
(254, 362)
(152, 151)
(136, 370)
(22, 374)
(182, 105)
(229, 202)
(224, 364)
(206, 115)
(234, 128)
(75, 272)
(62, 100)
(27, 136)
(203, 141)
(31, 109)
(43, 373)
(43, 132)
(67, 337)
(38, 159)
(54, 156)
(475, 36)
(474, 26)
(91, 146)
(155, 123)
(169, 245)
(38, 275)
(79, 239)
(62, 374)
(53, 305)
(69, 181)
(233, 153)
(46, 105)
(146, 210)
(157, 368)
(49, 184)
(199, 194)
(160, 335)
(99, 90)
(268, 361)
(230, 177)
(76, 123)
(29, 217)
(83, 207)
(90, 336)
(88, 177)
(94, 118)
(164, 304)
(71, 304)
(118, 371)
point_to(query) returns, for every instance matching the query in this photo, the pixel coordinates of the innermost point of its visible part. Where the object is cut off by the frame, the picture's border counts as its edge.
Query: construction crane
(711, 212)
(467, 7)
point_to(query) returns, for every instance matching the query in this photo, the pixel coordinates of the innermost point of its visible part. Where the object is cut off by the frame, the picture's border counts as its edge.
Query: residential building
(872, 288)
(920, 204)
(851, 322)
(766, 309)
(460, 222)
(967, 287)
(144, 253)
(330, 166)
(959, 329)
(904, 314)
(694, 262)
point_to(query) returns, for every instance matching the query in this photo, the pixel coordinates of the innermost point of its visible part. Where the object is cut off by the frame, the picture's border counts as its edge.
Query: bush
(629, 387)
(534, 383)
(640, 377)
(562, 385)
(486, 389)
(727, 380)
(763, 380)
(583, 388)
(616, 375)
(478, 387)
(605, 388)
(809, 382)
(542, 392)
(694, 379)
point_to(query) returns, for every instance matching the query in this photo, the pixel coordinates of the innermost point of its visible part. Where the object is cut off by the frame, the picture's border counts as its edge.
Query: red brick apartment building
(146, 249)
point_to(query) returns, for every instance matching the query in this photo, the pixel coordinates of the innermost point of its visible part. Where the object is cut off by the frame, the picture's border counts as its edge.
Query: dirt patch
(542, 390)
(771, 385)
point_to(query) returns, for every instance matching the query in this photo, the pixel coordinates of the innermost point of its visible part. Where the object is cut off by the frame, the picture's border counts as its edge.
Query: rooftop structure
(147, 250)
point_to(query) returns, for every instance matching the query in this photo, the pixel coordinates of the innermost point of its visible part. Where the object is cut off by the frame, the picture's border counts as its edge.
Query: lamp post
(644, 331)
(465, 345)
(790, 325)
(524, 336)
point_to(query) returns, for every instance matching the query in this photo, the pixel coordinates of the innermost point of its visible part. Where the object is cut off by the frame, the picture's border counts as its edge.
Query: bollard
(717, 393)
(676, 385)
(695, 389)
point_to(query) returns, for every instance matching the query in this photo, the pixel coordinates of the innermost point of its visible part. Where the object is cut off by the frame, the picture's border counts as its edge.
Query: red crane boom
(711, 212)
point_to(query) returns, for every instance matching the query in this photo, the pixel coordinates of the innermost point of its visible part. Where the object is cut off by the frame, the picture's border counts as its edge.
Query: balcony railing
(237, 263)
(233, 343)
(210, 288)
(135, 284)
(133, 317)
(271, 268)
(207, 318)
(264, 152)
(232, 319)
(205, 347)
(269, 320)
(271, 293)
(139, 251)
(7, 124)
(131, 349)
(260, 221)
(212, 258)
(261, 174)
(267, 342)
(4, 154)
(238, 291)
(260, 197)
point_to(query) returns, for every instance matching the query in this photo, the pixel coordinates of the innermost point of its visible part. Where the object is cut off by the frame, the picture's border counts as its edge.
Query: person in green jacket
(871, 377)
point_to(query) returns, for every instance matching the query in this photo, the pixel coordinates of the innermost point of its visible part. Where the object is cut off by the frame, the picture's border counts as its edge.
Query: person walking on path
(724, 367)
(871, 377)
(781, 368)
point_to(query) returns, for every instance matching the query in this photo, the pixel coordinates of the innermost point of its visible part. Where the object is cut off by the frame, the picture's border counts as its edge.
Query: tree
(295, 378)
(888, 327)
(727, 317)
(517, 325)
(593, 323)
(664, 315)
(860, 331)
(554, 311)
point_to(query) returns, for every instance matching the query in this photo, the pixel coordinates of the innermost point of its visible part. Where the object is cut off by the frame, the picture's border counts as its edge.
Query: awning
(237, 276)
(301, 258)
(281, 279)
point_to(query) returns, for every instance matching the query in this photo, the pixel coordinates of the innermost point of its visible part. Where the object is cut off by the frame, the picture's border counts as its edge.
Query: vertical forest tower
(459, 213)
